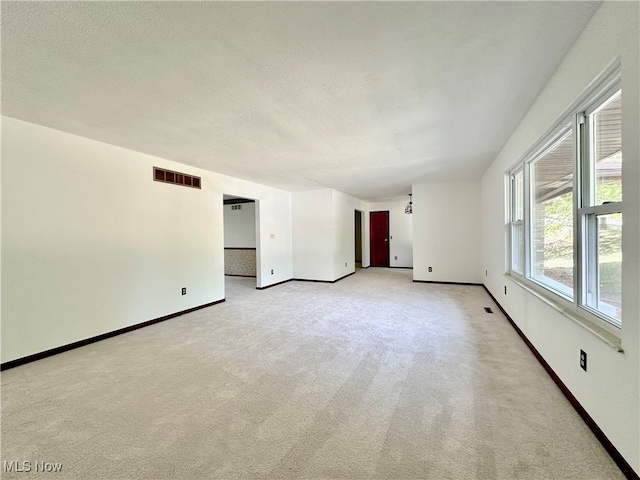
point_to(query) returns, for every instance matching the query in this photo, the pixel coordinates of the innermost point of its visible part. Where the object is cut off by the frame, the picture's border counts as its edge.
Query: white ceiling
(366, 98)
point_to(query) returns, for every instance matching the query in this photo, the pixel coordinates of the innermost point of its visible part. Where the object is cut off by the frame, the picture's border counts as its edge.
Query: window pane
(552, 217)
(605, 293)
(518, 193)
(607, 133)
(517, 248)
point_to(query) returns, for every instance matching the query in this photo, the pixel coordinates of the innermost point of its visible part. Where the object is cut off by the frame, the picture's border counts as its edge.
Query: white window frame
(516, 222)
(584, 211)
(587, 211)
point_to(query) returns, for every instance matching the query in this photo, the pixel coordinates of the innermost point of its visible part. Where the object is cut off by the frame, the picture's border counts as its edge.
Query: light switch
(273, 235)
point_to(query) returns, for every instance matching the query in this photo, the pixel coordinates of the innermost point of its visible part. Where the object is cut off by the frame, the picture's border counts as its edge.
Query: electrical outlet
(583, 360)
(272, 271)
(430, 269)
(184, 290)
(505, 289)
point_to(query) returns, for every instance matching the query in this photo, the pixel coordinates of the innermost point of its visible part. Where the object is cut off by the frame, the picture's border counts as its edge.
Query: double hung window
(601, 208)
(565, 210)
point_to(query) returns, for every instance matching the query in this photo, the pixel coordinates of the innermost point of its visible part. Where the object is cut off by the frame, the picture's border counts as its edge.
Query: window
(565, 211)
(551, 179)
(517, 222)
(601, 209)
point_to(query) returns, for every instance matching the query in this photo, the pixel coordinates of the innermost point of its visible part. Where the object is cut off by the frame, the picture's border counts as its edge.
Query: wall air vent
(177, 178)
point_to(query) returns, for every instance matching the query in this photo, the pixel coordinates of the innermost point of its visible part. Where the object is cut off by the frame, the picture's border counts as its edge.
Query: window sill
(603, 335)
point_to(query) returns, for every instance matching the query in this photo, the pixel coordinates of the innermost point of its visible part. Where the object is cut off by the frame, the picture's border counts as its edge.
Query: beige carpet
(371, 377)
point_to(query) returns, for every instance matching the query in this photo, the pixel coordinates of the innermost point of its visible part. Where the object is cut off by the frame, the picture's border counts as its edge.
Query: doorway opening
(241, 256)
(379, 238)
(359, 238)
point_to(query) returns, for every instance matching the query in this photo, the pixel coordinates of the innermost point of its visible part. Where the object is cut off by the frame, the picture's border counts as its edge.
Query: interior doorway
(379, 238)
(359, 239)
(241, 256)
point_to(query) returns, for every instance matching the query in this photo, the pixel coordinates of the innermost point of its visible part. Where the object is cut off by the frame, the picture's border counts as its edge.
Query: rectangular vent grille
(488, 310)
(177, 178)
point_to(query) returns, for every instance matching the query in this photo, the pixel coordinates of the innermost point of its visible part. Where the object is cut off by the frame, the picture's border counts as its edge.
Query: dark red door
(379, 236)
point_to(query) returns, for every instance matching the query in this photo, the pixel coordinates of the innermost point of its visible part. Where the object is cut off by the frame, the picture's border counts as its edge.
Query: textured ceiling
(367, 98)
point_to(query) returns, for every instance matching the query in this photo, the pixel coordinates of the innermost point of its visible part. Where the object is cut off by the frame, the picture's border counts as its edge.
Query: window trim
(574, 119)
(518, 222)
(611, 338)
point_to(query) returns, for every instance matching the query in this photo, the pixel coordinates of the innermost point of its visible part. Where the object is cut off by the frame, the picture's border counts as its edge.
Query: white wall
(344, 227)
(313, 235)
(400, 232)
(91, 244)
(323, 234)
(610, 390)
(446, 226)
(240, 226)
(344, 248)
